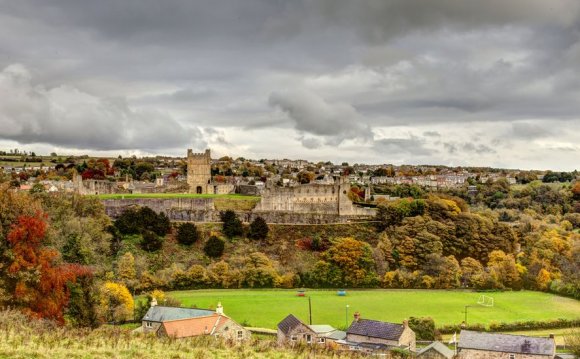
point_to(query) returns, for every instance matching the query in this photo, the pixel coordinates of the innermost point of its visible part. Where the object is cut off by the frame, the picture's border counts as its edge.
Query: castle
(199, 175)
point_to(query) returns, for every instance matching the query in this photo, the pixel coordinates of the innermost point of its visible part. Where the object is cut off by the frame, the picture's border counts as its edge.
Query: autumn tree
(35, 280)
(116, 303)
(354, 260)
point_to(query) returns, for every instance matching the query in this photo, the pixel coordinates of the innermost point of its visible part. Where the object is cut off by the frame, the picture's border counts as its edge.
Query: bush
(424, 328)
(232, 226)
(214, 247)
(187, 234)
(151, 242)
(138, 220)
(258, 229)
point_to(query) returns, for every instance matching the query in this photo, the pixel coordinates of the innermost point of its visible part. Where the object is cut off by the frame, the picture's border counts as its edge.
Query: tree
(116, 303)
(126, 267)
(259, 272)
(35, 282)
(187, 234)
(83, 303)
(214, 247)
(258, 229)
(232, 226)
(151, 242)
(354, 260)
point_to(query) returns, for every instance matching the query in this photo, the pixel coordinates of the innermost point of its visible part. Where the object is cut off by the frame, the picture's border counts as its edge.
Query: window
(321, 340)
(148, 324)
(512, 356)
(240, 334)
(308, 338)
(293, 338)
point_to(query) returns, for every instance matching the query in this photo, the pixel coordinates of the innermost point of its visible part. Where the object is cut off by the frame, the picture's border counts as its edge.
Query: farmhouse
(372, 335)
(478, 345)
(291, 330)
(188, 322)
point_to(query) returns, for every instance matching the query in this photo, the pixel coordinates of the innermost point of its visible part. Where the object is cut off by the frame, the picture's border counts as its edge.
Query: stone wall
(487, 354)
(203, 210)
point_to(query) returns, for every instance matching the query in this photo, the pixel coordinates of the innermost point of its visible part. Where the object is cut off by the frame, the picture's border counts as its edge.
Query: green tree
(187, 234)
(258, 229)
(214, 247)
(150, 241)
(232, 226)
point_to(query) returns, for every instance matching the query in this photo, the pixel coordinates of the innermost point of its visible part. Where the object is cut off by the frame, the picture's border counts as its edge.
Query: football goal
(485, 300)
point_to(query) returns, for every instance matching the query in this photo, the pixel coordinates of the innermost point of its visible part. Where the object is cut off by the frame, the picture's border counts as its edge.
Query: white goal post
(485, 300)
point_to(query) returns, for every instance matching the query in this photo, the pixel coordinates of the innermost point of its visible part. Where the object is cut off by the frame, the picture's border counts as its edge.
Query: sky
(447, 82)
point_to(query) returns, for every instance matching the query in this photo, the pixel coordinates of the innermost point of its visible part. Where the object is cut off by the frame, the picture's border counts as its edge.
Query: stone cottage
(190, 322)
(291, 331)
(372, 335)
(479, 345)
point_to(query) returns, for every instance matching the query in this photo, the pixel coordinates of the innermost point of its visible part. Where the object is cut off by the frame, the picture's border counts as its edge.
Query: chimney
(551, 336)
(219, 309)
(356, 316)
(153, 302)
(406, 323)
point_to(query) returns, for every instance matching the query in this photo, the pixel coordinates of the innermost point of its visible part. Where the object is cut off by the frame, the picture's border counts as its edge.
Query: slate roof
(438, 347)
(336, 335)
(321, 328)
(506, 343)
(376, 329)
(288, 323)
(161, 314)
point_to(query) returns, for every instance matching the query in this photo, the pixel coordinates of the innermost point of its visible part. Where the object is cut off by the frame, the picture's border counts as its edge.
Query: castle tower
(199, 172)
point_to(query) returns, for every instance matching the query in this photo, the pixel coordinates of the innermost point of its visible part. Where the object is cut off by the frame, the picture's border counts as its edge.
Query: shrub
(151, 242)
(258, 229)
(232, 226)
(214, 247)
(424, 328)
(187, 234)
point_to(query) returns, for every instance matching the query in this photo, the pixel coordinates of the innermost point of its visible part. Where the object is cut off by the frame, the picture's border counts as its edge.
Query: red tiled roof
(192, 327)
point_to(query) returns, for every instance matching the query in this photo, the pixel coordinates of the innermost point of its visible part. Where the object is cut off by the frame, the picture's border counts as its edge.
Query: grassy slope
(27, 339)
(265, 308)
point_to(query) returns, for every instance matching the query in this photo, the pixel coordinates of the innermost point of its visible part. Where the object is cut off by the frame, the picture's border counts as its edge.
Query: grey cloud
(450, 147)
(65, 116)
(431, 134)
(313, 115)
(529, 131)
(413, 146)
(477, 148)
(311, 142)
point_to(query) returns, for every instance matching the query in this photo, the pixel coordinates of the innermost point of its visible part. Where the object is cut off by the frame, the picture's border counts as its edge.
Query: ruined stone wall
(203, 210)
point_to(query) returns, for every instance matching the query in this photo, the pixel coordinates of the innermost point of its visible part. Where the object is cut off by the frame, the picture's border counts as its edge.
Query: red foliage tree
(37, 283)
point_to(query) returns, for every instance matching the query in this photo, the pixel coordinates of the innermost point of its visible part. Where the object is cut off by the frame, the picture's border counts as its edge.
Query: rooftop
(506, 343)
(160, 313)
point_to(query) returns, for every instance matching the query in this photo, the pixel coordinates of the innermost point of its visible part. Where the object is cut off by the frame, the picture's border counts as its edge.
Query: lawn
(265, 308)
(177, 195)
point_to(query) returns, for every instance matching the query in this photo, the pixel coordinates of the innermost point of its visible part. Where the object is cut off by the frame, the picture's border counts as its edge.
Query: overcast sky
(454, 82)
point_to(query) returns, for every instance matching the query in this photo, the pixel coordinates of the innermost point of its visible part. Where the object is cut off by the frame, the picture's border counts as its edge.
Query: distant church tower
(199, 172)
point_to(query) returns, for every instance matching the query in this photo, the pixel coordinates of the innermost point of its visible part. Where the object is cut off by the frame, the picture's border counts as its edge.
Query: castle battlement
(205, 154)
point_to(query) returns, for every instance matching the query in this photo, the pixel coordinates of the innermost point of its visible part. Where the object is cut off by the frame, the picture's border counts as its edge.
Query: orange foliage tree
(35, 281)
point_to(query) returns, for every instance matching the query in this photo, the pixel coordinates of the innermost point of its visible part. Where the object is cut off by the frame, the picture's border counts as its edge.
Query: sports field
(176, 195)
(265, 308)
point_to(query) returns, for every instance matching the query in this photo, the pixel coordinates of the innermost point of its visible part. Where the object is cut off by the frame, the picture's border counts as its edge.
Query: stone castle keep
(199, 172)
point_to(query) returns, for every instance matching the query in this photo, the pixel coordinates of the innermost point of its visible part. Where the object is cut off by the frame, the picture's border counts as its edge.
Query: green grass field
(265, 308)
(177, 195)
